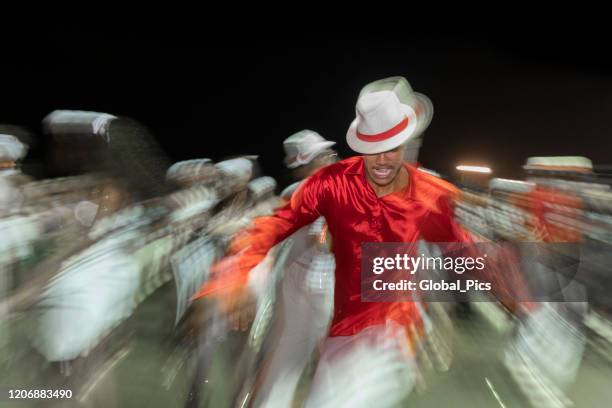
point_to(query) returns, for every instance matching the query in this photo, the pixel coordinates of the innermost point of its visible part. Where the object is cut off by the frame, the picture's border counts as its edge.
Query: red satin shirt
(354, 215)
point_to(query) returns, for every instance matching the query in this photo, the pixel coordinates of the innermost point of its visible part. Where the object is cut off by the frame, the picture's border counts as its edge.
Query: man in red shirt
(376, 197)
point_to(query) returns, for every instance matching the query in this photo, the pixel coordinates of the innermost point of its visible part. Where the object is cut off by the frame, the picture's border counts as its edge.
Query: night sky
(496, 101)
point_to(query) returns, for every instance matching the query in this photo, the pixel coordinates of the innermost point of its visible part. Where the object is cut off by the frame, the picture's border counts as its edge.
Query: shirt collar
(356, 167)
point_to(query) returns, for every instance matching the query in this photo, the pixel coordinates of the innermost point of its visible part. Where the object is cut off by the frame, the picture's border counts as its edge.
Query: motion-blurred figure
(236, 199)
(307, 283)
(86, 295)
(306, 152)
(12, 150)
(15, 232)
(371, 198)
(210, 205)
(547, 351)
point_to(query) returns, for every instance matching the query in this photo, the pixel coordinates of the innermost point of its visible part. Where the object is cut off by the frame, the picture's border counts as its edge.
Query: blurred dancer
(307, 284)
(546, 353)
(371, 198)
(240, 200)
(596, 261)
(16, 233)
(117, 260)
(305, 153)
(209, 210)
(12, 150)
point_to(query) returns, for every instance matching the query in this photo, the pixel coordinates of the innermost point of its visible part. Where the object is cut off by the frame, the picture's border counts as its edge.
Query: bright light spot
(474, 169)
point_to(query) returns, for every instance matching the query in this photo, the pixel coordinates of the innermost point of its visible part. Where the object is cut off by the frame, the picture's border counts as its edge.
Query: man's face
(383, 168)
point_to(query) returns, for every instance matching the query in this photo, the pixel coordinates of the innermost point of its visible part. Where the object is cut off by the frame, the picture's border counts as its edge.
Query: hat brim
(419, 119)
(317, 148)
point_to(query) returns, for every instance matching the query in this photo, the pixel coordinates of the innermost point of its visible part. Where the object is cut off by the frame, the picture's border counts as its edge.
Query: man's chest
(373, 219)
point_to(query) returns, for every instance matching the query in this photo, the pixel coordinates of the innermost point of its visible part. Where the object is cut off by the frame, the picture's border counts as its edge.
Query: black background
(497, 99)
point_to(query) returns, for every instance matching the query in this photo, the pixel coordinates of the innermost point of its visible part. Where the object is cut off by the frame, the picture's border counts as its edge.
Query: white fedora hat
(559, 163)
(193, 170)
(11, 148)
(389, 114)
(302, 147)
(239, 169)
(261, 187)
(74, 122)
(513, 186)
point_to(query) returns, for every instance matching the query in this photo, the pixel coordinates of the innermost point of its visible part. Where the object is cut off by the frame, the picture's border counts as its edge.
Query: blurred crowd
(117, 229)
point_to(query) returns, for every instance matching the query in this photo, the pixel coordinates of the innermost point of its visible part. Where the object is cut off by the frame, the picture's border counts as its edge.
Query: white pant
(307, 309)
(545, 356)
(373, 368)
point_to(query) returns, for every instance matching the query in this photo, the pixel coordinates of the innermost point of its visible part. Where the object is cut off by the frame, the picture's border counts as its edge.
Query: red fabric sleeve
(250, 247)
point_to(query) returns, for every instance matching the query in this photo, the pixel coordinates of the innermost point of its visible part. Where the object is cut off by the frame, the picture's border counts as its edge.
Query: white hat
(76, 122)
(194, 169)
(513, 186)
(559, 163)
(240, 169)
(389, 113)
(302, 147)
(11, 148)
(261, 187)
